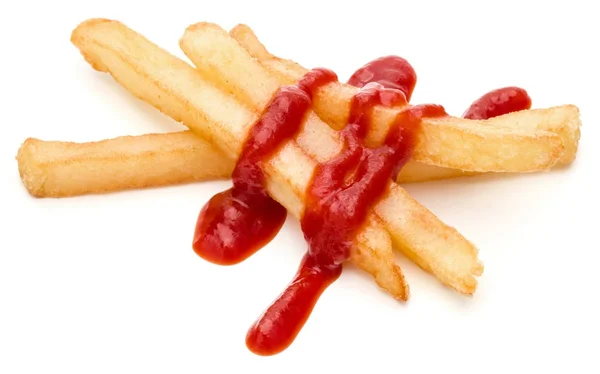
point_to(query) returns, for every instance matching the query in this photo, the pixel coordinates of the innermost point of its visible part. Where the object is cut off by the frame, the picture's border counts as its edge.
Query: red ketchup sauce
(389, 71)
(498, 102)
(234, 224)
(339, 197)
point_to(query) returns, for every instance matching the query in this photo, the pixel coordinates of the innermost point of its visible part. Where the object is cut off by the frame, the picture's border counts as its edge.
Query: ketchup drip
(498, 102)
(389, 71)
(234, 224)
(338, 200)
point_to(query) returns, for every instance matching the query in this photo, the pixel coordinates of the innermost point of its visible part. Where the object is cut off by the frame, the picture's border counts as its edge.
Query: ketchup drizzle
(338, 200)
(234, 224)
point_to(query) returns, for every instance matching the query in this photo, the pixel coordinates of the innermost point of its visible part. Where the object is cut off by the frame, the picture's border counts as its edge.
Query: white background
(110, 284)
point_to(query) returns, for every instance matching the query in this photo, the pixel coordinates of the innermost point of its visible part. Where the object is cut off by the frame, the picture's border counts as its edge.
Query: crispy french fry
(63, 169)
(562, 120)
(289, 69)
(428, 241)
(180, 91)
(67, 169)
(448, 142)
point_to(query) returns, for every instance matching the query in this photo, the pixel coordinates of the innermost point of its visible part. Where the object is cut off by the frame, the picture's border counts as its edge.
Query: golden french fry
(417, 231)
(63, 169)
(248, 39)
(67, 169)
(180, 91)
(562, 120)
(451, 142)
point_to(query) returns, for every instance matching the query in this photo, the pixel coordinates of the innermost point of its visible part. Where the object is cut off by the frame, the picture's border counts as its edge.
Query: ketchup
(279, 325)
(339, 197)
(389, 71)
(236, 223)
(498, 102)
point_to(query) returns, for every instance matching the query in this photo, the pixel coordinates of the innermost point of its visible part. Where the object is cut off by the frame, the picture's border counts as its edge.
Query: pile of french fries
(223, 95)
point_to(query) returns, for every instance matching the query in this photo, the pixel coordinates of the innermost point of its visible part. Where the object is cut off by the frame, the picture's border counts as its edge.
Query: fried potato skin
(182, 92)
(65, 169)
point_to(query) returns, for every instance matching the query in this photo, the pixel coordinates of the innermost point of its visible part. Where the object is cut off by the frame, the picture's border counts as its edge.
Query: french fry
(451, 142)
(180, 91)
(246, 37)
(64, 169)
(563, 120)
(414, 172)
(67, 169)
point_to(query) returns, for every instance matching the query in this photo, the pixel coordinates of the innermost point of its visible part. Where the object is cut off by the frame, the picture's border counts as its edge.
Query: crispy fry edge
(66, 169)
